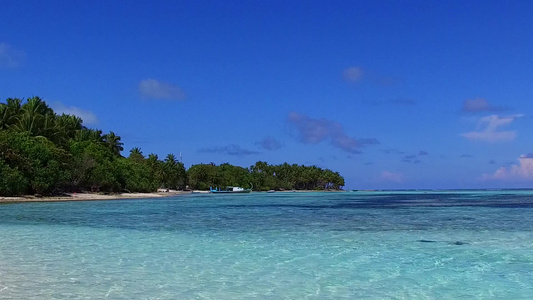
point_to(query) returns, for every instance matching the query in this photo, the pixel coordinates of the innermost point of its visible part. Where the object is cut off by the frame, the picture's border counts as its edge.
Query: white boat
(230, 189)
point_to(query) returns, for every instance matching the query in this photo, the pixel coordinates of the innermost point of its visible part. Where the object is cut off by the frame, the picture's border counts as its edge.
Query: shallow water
(379, 245)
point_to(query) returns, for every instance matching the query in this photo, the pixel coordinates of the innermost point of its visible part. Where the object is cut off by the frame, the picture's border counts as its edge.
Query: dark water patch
(324, 212)
(386, 205)
(456, 243)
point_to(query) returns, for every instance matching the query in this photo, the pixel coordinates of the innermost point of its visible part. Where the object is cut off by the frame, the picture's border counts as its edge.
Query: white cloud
(488, 129)
(10, 57)
(490, 136)
(353, 74)
(392, 176)
(88, 117)
(155, 89)
(522, 171)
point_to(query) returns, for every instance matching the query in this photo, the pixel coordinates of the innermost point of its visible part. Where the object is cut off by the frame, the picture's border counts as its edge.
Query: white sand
(91, 196)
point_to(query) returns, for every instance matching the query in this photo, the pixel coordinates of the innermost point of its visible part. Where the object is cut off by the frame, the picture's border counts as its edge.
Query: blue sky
(392, 94)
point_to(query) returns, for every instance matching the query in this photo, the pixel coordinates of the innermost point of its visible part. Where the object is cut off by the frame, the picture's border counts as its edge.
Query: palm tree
(96, 135)
(170, 159)
(32, 116)
(113, 143)
(174, 173)
(82, 135)
(37, 106)
(51, 130)
(136, 154)
(4, 116)
(157, 173)
(9, 112)
(136, 151)
(68, 125)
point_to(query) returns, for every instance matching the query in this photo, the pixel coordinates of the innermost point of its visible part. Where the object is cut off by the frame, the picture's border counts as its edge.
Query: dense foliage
(263, 177)
(42, 152)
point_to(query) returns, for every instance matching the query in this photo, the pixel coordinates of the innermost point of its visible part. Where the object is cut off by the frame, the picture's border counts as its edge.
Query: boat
(230, 190)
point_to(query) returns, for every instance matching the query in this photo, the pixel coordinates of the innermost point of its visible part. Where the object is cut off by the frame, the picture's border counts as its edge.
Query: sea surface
(345, 245)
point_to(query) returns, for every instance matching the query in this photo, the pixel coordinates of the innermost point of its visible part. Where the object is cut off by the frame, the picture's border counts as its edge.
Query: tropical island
(45, 153)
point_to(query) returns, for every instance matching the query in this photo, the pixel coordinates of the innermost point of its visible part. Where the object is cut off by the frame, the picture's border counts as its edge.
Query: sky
(391, 94)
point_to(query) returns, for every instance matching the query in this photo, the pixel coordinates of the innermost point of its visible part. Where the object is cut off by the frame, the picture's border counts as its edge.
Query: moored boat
(230, 190)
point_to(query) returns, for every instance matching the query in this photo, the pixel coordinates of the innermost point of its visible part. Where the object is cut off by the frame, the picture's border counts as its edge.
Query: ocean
(345, 245)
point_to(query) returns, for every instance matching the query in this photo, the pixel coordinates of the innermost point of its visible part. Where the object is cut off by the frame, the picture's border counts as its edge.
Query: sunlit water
(446, 245)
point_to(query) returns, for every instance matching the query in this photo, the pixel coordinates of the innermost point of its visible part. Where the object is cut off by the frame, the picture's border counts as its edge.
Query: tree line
(42, 152)
(263, 177)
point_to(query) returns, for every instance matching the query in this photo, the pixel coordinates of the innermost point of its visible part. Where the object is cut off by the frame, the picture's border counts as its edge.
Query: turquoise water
(408, 245)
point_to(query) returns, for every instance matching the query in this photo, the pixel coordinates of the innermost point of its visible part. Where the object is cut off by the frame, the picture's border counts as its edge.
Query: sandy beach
(90, 197)
(99, 197)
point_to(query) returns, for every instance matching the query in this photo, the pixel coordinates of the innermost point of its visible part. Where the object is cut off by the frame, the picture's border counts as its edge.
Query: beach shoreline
(90, 197)
(119, 196)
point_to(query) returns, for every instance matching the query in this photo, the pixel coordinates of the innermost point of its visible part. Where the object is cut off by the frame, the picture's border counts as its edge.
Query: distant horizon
(421, 190)
(392, 95)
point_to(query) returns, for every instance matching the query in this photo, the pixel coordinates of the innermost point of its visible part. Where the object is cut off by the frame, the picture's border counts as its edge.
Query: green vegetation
(42, 152)
(264, 177)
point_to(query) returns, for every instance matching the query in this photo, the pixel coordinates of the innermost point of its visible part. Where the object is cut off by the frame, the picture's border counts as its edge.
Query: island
(46, 154)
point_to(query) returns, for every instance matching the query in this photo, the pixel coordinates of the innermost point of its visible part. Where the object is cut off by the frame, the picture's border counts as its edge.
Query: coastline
(90, 197)
(119, 196)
